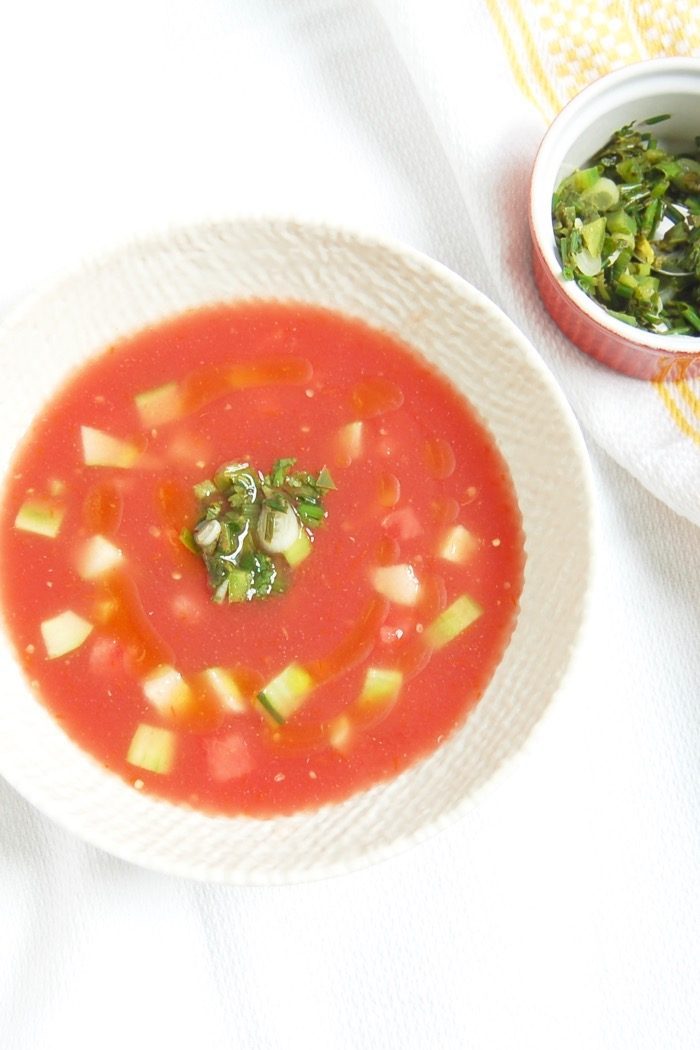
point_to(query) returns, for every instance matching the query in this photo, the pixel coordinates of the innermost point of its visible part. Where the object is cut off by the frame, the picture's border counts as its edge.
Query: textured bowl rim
(183, 866)
(542, 187)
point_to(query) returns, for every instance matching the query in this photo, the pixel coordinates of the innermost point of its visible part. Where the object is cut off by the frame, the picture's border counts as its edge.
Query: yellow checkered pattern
(557, 47)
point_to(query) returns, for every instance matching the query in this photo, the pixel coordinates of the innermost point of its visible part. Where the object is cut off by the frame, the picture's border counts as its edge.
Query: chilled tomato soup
(258, 558)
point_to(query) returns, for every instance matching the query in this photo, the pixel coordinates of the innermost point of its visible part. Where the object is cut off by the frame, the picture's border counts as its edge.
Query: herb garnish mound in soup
(259, 557)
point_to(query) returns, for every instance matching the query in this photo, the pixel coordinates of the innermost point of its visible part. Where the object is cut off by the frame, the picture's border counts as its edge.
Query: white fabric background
(563, 911)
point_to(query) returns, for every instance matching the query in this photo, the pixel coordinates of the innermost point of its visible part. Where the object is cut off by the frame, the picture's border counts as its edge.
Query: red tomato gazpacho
(259, 557)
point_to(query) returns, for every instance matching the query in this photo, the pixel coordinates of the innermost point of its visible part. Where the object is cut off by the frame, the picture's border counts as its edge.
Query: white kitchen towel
(563, 910)
(492, 77)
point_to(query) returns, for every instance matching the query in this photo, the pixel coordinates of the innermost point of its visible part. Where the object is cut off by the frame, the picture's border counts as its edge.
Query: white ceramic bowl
(465, 335)
(637, 92)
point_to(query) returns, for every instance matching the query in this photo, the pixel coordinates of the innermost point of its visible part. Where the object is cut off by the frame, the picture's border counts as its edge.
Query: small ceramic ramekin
(635, 93)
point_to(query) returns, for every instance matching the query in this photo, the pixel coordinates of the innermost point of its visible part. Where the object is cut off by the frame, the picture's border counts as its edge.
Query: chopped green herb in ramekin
(628, 231)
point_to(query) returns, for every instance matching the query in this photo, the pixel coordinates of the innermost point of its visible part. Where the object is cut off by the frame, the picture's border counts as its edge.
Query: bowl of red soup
(295, 544)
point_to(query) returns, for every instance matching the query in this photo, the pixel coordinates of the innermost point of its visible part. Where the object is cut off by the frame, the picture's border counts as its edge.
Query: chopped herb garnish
(628, 231)
(248, 521)
(187, 539)
(204, 489)
(324, 479)
(657, 120)
(309, 513)
(280, 471)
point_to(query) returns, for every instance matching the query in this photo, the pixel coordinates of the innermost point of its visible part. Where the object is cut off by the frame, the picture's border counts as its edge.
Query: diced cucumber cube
(584, 178)
(593, 234)
(286, 693)
(620, 222)
(452, 621)
(104, 450)
(629, 280)
(39, 517)
(340, 733)
(398, 583)
(160, 405)
(381, 686)
(349, 441)
(225, 688)
(167, 691)
(299, 550)
(152, 748)
(237, 585)
(457, 545)
(98, 557)
(64, 633)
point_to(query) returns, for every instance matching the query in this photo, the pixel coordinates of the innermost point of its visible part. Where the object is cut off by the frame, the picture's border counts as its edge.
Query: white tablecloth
(562, 912)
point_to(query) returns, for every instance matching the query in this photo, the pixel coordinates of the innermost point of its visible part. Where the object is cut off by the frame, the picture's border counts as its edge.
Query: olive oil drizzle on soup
(386, 624)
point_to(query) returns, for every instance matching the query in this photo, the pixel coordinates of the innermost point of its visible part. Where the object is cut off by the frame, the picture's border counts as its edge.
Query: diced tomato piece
(228, 757)
(403, 524)
(106, 657)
